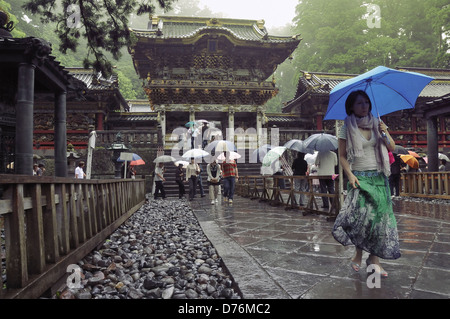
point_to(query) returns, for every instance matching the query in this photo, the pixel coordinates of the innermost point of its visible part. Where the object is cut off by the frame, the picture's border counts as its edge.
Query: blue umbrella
(135, 158)
(389, 90)
(191, 123)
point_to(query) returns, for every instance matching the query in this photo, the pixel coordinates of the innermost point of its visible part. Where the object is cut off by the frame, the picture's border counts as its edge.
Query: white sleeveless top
(367, 162)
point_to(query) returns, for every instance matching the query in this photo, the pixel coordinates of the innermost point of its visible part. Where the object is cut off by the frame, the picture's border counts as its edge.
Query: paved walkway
(281, 254)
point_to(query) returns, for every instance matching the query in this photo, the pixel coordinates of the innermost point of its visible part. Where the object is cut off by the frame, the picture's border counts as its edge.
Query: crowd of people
(219, 176)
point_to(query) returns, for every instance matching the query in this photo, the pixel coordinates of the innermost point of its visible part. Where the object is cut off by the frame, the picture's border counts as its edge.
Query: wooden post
(35, 233)
(74, 238)
(50, 225)
(16, 253)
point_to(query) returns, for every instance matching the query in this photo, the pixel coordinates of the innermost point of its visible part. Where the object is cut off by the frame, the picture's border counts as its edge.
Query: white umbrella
(195, 153)
(321, 142)
(184, 163)
(273, 155)
(233, 156)
(299, 146)
(164, 159)
(311, 158)
(443, 157)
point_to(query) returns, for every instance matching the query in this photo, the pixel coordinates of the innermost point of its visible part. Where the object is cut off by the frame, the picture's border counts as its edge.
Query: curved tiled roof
(94, 80)
(180, 28)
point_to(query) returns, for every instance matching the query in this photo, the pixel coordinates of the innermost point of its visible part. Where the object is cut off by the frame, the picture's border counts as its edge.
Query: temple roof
(93, 80)
(168, 27)
(320, 84)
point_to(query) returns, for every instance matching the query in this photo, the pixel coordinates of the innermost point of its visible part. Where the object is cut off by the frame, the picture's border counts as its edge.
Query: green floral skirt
(366, 218)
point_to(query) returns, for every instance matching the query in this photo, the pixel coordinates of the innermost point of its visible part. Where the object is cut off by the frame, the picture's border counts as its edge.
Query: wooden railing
(267, 188)
(429, 185)
(50, 223)
(432, 185)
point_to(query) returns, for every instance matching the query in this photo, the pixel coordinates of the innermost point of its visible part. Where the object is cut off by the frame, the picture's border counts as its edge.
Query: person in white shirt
(325, 163)
(79, 173)
(192, 171)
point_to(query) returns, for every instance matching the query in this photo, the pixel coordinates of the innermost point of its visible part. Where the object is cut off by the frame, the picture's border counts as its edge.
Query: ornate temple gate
(212, 69)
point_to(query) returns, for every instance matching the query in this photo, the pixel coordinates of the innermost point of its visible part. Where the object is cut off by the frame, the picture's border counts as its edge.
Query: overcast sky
(276, 13)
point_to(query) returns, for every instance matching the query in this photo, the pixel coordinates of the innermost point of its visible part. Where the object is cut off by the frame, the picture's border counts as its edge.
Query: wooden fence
(50, 223)
(432, 185)
(429, 185)
(267, 188)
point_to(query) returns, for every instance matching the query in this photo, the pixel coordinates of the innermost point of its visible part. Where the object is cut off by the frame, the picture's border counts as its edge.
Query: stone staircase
(171, 187)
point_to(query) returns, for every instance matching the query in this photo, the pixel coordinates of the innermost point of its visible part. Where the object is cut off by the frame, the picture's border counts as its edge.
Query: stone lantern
(117, 147)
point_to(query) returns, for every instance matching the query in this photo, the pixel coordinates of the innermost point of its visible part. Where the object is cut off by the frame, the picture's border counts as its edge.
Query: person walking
(442, 166)
(79, 172)
(159, 179)
(300, 167)
(192, 170)
(325, 163)
(230, 174)
(267, 173)
(36, 170)
(204, 135)
(394, 178)
(366, 218)
(200, 181)
(214, 174)
(179, 174)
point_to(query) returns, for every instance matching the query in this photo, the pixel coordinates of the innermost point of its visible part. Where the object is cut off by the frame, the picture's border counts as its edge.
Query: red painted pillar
(319, 122)
(99, 126)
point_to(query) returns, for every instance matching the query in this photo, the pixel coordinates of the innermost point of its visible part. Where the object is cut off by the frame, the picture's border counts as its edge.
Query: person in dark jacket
(179, 177)
(394, 178)
(300, 167)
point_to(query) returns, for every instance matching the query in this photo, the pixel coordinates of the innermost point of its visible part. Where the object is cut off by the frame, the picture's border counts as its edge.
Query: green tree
(6, 7)
(338, 35)
(126, 87)
(104, 24)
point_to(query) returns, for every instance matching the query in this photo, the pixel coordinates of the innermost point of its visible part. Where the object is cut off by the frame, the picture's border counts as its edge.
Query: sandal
(383, 273)
(355, 266)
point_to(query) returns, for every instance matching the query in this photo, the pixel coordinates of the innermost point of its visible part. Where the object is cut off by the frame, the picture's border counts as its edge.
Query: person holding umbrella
(326, 162)
(214, 173)
(366, 219)
(192, 170)
(230, 174)
(300, 167)
(179, 173)
(159, 179)
(394, 178)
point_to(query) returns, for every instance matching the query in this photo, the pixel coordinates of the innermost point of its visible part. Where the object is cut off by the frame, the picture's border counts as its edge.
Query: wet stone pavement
(281, 254)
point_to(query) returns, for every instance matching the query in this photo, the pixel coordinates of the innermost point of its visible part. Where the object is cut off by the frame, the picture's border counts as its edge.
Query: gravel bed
(160, 252)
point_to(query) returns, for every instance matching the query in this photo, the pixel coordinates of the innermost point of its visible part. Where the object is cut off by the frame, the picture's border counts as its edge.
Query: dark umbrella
(400, 150)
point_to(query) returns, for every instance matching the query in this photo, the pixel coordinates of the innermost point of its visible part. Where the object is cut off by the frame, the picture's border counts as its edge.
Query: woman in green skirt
(366, 219)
